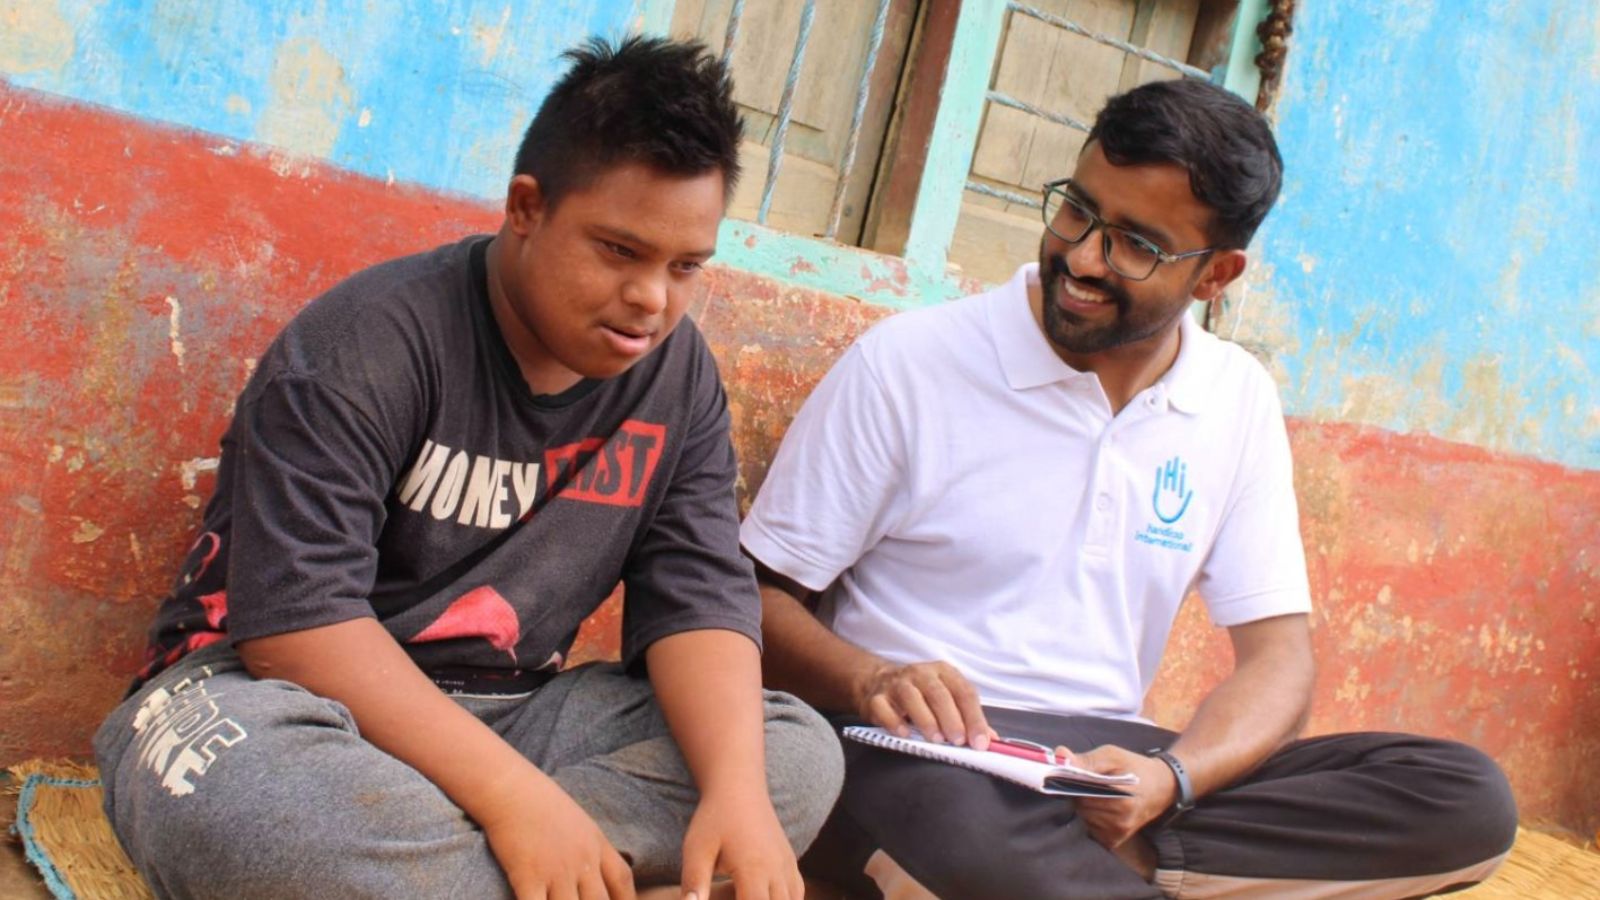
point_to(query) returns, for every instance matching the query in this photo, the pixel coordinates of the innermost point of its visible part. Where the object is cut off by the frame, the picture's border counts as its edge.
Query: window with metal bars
(922, 129)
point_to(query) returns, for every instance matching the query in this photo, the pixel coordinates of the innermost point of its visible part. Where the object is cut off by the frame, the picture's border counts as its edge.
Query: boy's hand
(550, 848)
(740, 837)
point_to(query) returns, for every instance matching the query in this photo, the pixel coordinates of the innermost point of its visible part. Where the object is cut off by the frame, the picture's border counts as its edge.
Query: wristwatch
(1185, 801)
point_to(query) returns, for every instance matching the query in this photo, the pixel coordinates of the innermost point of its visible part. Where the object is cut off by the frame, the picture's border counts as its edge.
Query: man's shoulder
(930, 336)
(1231, 370)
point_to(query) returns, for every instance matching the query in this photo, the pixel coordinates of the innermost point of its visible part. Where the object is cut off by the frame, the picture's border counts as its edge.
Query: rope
(785, 107)
(1274, 32)
(862, 89)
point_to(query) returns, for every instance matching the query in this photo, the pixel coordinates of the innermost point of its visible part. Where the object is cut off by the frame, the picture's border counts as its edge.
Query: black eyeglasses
(1127, 253)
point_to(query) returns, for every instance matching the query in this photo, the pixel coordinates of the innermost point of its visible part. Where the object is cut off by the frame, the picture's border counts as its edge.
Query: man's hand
(564, 855)
(1113, 820)
(931, 696)
(740, 837)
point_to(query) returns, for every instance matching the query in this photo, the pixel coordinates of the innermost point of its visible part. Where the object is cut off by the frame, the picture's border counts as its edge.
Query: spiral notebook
(1060, 779)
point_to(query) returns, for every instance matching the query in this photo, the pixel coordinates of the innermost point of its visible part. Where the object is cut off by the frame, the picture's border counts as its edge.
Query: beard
(1075, 334)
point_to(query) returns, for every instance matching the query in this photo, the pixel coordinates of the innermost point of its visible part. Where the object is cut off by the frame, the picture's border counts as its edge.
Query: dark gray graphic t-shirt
(388, 459)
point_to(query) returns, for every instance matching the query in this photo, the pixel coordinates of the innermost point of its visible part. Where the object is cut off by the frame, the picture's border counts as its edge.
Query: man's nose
(1087, 258)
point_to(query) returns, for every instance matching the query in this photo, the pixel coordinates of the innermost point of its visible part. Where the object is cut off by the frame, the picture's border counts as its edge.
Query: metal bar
(1014, 103)
(785, 109)
(1109, 41)
(978, 187)
(847, 165)
(734, 15)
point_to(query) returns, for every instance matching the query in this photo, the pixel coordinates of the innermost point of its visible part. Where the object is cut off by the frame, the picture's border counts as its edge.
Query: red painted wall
(1458, 590)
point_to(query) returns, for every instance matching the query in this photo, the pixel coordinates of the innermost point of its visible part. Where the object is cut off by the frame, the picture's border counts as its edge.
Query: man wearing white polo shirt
(985, 518)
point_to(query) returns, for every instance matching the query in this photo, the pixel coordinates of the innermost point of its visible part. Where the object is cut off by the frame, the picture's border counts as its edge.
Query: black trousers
(1350, 815)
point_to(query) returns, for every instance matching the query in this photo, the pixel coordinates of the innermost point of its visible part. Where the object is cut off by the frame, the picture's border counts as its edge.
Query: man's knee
(1474, 787)
(805, 766)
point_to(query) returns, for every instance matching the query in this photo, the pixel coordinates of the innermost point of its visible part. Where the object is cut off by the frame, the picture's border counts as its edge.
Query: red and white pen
(1024, 750)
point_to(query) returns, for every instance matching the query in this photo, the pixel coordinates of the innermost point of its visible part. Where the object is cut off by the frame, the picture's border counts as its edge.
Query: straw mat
(66, 836)
(1542, 866)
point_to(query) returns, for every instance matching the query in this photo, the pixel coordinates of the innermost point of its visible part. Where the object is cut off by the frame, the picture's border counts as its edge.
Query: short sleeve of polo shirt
(1256, 568)
(837, 484)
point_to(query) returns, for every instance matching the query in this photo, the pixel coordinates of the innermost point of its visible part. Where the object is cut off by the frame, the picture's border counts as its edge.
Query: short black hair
(668, 104)
(1224, 144)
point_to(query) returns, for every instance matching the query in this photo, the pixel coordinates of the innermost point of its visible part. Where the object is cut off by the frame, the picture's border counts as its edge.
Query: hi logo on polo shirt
(1169, 500)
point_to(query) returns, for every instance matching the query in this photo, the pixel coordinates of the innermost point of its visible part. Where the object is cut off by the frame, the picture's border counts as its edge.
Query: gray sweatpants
(222, 785)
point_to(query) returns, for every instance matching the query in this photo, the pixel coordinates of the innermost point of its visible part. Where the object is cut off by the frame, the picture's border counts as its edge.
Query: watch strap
(1185, 800)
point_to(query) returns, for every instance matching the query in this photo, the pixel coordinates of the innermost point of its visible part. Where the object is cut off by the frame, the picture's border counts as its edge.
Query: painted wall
(1432, 265)
(1429, 296)
(151, 242)
(425, 93)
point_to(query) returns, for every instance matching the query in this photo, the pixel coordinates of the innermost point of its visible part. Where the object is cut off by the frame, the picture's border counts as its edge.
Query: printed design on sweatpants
(182, 732)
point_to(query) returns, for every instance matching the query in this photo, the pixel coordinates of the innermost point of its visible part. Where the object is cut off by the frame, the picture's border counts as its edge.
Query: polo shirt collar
(1189, 382)
(1025, 353)
(1028, 360)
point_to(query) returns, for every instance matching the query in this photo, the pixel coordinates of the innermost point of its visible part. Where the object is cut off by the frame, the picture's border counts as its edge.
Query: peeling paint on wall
(34, 37)
(1432, 253)
(309, 102)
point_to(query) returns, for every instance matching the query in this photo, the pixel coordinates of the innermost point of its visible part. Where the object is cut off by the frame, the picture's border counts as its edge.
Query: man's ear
(525, 205)
(1221, 269)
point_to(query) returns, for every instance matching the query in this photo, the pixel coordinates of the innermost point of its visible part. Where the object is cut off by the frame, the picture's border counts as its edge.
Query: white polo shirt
(969, 497)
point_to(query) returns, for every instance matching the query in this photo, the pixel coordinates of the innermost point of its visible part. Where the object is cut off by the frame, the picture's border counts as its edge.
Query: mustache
(1059, 268)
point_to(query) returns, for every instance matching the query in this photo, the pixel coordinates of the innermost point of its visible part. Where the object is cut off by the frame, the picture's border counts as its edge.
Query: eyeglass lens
(1128, 255)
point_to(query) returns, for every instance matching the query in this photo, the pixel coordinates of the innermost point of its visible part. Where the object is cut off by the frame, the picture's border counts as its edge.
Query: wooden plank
(800, 200)
(824, 102)
(762, 52)
(1004, 144)
(895, 198)
(885, 79)
(1083, 73)
(989, 244)
(1053, 155)
(1168, 31)
(826, 93)
(1025, 54)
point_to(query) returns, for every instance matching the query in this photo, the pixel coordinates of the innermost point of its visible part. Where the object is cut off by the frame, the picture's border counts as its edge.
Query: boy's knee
(805, 766)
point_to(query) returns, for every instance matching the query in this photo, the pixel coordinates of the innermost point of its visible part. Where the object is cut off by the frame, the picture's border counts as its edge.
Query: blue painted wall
(436, 94)
(1433, 265)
